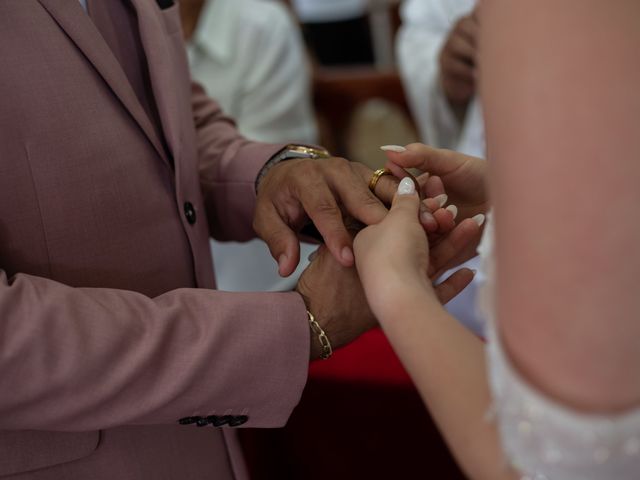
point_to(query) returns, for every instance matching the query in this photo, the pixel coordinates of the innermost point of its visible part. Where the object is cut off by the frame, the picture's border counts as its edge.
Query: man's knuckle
(326, 208)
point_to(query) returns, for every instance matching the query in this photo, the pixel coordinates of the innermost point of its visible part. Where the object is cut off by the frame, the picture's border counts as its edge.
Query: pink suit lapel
(81, 30)
(162, 70)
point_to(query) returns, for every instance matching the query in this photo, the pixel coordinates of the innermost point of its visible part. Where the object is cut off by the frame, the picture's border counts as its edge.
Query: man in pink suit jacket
(114, 346)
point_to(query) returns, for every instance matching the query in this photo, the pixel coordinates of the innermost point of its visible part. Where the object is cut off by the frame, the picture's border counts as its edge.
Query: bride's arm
(445, 361)
(559, 82)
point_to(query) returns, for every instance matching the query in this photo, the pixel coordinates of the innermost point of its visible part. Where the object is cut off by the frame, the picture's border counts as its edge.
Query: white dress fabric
(541, 438)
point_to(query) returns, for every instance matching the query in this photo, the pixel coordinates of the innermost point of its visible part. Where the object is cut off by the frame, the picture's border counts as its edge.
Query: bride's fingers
(397, 170)
(444, 254)
(428, 159)
(433, 187)
(453, 285)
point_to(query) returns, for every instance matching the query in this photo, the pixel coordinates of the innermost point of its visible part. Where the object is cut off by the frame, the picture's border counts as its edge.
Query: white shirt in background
(425, 27)
(249, 56)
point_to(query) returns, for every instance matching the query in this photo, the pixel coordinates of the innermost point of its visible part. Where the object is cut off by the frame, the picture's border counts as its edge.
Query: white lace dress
(541, 438)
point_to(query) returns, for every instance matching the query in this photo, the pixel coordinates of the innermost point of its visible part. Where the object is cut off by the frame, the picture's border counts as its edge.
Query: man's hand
(458, 64)
(295, 191)
(334, 295)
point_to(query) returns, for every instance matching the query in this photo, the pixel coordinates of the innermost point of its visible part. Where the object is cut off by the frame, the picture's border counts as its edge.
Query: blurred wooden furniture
(339, 91)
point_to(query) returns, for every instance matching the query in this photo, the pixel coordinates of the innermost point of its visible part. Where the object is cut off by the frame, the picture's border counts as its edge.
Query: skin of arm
(444, 359)
(566, 159)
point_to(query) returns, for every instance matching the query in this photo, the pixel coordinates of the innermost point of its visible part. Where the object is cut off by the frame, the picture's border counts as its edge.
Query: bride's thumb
(406, 199)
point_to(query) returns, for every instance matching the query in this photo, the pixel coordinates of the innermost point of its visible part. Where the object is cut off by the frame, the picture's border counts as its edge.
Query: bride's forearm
(447, 364)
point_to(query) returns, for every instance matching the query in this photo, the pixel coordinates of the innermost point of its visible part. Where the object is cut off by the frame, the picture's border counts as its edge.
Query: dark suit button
(164, 4)
(189, 213)
(188, 420)
(202, 422)
(217, 421)
(238, 420)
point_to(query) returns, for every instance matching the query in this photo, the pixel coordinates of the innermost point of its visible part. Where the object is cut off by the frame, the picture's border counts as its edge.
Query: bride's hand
(463, 176)
(393, 257)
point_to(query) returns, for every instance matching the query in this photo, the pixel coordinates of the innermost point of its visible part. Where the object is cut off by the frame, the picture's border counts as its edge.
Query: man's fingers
(453, 285)
(468, 28)
(319, 203)
(386, 188)
(281, 240)
(460, 68)
(463, 48)
(433, 187)
(350, 181)
(449, 247)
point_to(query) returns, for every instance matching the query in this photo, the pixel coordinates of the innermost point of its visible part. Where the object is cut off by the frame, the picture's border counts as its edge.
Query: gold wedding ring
(381, 172)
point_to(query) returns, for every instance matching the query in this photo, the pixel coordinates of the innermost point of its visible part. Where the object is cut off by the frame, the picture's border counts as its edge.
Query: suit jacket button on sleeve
(217, 421)
(188, 420)
(238, 420)
(190, 213)
(164, 4)
(212, 419)
(202, 422)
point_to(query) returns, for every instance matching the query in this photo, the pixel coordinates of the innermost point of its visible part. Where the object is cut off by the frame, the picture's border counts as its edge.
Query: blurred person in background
(336, 31)
(436, 48)
(250, 57)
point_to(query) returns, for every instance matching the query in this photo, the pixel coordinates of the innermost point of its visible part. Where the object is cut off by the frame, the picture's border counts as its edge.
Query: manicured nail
(441, 199)
(479, 219)
(347, 255)
(406, 186)
(393, 148)
(454, 210)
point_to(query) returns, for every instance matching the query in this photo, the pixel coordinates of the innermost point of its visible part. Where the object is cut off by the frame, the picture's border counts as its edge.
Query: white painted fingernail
(454, 210)
(479, 219)
(441, 199)
(393, 148)
(406, 186)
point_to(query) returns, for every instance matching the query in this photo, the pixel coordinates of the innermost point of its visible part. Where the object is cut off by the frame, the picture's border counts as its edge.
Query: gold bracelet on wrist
(327, 351)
